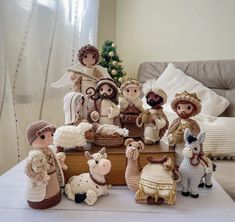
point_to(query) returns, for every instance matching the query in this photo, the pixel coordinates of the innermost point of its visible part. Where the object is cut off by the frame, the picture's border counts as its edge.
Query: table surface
(212, 205)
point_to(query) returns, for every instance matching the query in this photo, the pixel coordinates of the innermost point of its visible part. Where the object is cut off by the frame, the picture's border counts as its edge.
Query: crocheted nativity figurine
(88, 187)
(85, 74)
(106, 110)
(42, 168)
(154, 119)
(74, 108)
(185, 105)
(154, 184)
(195, 165)
(131, 106)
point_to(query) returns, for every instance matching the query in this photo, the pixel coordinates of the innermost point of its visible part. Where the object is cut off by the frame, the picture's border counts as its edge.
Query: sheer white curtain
(39, 39)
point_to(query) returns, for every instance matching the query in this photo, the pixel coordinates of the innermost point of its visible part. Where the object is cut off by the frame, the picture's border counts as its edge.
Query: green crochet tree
(109, 59)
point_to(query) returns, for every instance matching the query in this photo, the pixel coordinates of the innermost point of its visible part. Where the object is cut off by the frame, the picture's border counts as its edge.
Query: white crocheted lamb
(39, 166)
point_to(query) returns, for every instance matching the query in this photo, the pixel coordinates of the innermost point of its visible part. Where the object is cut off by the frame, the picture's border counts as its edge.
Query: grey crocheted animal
(194, 165)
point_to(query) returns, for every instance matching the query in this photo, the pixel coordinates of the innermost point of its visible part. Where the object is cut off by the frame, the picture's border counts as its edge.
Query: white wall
(174, 30)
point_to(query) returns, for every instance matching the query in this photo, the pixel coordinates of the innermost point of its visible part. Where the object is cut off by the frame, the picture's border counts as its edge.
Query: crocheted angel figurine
(85, 74)
(154, 119)
(45, 176)
(131, 106)
(105, 110)
(186, 105)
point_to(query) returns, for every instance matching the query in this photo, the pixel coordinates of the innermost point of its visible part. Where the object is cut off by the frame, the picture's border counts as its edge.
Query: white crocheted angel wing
(65, 80)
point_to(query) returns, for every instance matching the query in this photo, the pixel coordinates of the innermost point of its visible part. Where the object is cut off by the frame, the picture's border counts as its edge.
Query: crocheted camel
(88, 187)
(195, 165)
(154, 184)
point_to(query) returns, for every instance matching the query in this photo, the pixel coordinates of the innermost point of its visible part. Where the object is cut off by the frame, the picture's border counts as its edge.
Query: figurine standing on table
(106, 110)
(185, 105)
(43, 190)
(131, 106)
(85, 74)
(74, 108)
(154, 119)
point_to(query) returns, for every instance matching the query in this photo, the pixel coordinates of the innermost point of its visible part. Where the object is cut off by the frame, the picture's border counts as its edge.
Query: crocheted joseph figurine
(43, 190)
(186, 105)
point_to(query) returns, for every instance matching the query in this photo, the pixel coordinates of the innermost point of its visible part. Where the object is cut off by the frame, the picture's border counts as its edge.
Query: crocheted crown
(37, 128)
(187, 97)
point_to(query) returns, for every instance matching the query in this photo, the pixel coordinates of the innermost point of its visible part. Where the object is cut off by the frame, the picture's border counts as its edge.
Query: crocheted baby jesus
(40, 167)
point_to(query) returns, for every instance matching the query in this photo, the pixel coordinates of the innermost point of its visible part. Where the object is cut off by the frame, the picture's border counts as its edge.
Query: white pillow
(173, 81)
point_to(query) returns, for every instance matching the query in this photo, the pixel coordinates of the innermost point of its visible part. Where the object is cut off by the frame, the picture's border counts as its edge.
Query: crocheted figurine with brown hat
(154, 119)
(185, 105)
(106, 110)
(131, 106)
(85, 74)
(43, 189)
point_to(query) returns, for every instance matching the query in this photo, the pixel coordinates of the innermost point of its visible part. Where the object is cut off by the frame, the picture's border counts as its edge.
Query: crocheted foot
(150, 200)
(148, 142)
(79, 198)
(185, 193)
(194, 195)
(91, 197)
(201, 185)
(208, 186)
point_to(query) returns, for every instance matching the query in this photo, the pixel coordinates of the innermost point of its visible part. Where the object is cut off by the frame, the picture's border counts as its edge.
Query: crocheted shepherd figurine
(85, 74)
(131, 106)
(186, 105)
(45, 179)
(154, 119)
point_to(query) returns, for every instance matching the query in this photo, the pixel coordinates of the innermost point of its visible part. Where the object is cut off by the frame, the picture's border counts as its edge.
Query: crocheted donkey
(195, 165)
(88, 187)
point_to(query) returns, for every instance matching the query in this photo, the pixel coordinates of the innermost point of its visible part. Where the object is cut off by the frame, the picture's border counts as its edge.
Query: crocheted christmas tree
(109, 59)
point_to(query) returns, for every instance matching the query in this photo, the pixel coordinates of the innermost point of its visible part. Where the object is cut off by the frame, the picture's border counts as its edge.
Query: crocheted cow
(88, 187)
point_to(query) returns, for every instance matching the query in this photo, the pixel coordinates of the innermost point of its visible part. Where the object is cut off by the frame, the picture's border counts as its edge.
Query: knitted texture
(194, 165)
(71, 136)
(37, 128)
(132, 173)
(156, 181)
(92, 184)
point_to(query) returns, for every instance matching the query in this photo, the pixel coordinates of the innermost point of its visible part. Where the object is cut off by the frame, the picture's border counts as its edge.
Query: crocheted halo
(187, 97)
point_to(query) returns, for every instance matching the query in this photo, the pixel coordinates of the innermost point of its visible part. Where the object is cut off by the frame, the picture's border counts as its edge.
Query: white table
(212, 205)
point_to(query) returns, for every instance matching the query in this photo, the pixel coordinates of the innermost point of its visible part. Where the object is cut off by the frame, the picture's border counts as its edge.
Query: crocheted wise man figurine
(85, 74)
(185, 105)
(43, 190)
(154, 119)
(131, 106)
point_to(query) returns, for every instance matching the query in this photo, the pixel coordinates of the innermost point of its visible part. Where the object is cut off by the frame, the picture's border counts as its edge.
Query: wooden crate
(77, 162)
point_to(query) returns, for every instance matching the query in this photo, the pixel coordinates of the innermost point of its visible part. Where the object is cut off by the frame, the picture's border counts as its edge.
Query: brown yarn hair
(87, 49)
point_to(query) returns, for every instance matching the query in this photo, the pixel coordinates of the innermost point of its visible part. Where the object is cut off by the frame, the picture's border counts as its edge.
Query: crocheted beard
(107, 91)
(154, 100)
(185, 109)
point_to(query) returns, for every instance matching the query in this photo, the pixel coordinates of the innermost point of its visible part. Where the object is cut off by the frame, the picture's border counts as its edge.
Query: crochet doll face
(89, 59)
(154, 100)
(106, 91)
(43, 140)
(185, 109)
(131, 92)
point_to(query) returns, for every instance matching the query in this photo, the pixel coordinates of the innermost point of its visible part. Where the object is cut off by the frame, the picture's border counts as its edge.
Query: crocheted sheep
(39, 166)
(88, 187)
(73, 136)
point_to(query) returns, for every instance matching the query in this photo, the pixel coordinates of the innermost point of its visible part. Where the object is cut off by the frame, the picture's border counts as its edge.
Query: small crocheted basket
(108, 141)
